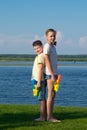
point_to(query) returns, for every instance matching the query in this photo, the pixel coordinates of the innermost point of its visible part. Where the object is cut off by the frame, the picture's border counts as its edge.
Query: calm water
(15, 84)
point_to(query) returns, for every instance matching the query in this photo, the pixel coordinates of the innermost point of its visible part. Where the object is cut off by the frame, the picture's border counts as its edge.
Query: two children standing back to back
(50, 70)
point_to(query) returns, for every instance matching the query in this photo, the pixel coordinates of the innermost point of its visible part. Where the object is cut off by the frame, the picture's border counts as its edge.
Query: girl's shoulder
(46, 45)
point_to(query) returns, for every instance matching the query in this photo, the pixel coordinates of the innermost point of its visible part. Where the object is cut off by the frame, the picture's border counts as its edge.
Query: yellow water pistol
(35, 91)
(57, 83)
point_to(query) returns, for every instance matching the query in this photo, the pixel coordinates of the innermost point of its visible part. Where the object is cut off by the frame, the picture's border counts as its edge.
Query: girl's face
(38, 49)
(51, 36)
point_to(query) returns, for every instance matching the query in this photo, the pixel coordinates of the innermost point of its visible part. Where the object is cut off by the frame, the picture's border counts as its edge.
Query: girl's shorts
(49, 76)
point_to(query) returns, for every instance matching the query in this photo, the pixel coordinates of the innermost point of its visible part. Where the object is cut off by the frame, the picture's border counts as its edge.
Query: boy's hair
(37, 42)
(50, 30)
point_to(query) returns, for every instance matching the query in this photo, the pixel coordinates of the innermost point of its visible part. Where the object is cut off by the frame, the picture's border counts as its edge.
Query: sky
(24, 21)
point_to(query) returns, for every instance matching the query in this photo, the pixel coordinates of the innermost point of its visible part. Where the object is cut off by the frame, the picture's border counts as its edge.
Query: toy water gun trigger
(57, 83)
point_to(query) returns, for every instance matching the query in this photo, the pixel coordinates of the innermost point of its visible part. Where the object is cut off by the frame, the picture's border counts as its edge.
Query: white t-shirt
(50, 50)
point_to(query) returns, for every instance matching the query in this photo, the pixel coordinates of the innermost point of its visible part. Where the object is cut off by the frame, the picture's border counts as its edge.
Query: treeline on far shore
(30, 57)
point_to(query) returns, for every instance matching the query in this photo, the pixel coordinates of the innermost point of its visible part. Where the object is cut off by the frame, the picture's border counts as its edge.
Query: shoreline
(30, 57)
(30, 63)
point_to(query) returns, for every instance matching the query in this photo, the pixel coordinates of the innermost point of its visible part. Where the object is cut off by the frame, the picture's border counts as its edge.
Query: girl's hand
(53, 78)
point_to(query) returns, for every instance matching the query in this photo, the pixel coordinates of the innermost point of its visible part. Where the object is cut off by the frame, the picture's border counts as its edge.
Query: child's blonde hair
(50, 30)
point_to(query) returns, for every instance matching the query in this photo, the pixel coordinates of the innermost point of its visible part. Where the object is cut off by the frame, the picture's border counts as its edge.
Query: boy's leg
(42, 100)
(43, 113)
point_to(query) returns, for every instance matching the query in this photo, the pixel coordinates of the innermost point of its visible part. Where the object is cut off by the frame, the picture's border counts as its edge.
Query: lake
(15, 84)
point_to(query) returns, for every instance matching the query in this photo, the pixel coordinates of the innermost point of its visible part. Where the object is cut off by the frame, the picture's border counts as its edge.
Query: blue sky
(23, 21)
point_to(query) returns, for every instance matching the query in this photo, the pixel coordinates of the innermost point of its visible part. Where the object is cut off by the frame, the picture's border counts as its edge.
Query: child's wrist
(52, 75)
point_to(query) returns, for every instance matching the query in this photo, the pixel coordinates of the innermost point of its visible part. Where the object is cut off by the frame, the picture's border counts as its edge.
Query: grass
(21, 117)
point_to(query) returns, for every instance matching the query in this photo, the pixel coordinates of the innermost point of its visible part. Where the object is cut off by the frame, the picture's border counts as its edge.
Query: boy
(38, 76)
(50, 56)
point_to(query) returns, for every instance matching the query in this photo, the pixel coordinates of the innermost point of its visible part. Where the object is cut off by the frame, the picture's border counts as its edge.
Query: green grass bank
(30, 57)
(21, 117)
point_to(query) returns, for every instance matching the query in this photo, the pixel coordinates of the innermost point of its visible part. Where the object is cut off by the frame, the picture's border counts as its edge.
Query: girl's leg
(50, 99)
(50, 102)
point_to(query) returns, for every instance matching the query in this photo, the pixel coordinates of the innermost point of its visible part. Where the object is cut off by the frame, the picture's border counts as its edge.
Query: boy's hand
(38, 85)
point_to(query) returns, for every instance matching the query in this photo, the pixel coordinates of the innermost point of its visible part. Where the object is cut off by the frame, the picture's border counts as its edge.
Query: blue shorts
(42, 90)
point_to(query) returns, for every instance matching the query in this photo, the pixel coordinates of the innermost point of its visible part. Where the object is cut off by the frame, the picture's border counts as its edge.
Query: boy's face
(38, 49)
(51, 36)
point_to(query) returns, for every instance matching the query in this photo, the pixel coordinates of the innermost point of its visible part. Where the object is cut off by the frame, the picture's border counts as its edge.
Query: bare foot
(54, 120)
(39, 119)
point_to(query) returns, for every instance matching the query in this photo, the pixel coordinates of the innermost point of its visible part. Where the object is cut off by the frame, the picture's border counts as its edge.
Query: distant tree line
(30, 57)
(72, 58)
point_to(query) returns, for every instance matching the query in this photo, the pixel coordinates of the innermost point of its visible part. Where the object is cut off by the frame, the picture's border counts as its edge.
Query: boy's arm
(40, 74)
(47, 62)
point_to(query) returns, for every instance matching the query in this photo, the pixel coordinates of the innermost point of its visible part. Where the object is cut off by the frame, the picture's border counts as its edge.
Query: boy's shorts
(42, 90)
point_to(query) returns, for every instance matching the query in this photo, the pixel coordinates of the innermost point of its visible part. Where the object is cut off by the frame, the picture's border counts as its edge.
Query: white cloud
(2, 39)
(59, 36)
(68, 41)
(83, 41)
(14, 39)
(16, 44)
(22, 44)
